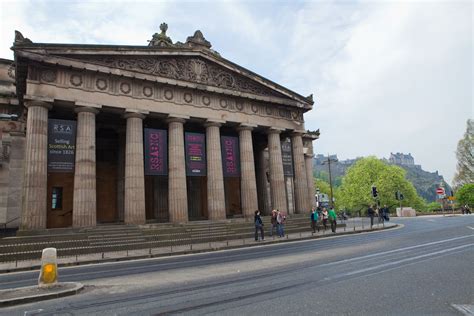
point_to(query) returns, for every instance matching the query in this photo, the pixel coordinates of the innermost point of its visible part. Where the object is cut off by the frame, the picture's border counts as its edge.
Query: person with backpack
(332, 219)
(314, 220)
(258, 225)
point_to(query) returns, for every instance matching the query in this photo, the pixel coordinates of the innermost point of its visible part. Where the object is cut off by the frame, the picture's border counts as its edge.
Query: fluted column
(308, 159)
(84, 209)
(248, 183)
(277, 180)
(177, 194)
(215, 177)
(301, 182)
(134, 210)
(33, 215)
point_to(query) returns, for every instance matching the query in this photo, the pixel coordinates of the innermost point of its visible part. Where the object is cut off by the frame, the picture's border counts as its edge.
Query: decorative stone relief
(223, 103)
(188, 97)
(188, 69)
(101, 84)
(206, 100)
(76, 80)
(48, 75)
(147, 91)
(168, 94)
(125, 88)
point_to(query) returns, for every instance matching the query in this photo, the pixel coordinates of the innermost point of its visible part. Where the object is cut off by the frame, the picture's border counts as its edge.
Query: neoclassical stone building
(168, 132)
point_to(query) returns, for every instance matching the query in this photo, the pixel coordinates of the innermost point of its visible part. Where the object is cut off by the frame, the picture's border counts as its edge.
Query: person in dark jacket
(371, 213)
(258, 225)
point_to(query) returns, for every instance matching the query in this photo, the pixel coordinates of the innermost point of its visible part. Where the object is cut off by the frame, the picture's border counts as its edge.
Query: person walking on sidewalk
(258, 225)
(332, 219)
(371, 213)
(273, 221)
(324, 214)
(314, 220)
(281, 219)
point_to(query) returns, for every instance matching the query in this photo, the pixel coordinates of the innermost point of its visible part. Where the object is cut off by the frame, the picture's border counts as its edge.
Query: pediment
(181, 67)
(194, 69)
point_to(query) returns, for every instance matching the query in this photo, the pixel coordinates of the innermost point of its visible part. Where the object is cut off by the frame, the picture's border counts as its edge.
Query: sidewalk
(354, 226)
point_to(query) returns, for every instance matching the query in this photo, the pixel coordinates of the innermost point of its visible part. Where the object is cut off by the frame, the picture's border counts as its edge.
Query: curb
(196, 251)
(76, 288)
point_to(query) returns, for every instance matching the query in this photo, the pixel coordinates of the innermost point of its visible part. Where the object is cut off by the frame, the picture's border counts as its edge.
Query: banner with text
(61, 145)
(230, 156)
(287, 158)
(156, 152)
(196, 164)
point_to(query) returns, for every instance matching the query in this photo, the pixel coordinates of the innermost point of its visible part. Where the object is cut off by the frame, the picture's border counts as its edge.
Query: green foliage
(322, 185)
(355, 192)
(465, 195)
(430, 207)
(464, 154)
(324, 176)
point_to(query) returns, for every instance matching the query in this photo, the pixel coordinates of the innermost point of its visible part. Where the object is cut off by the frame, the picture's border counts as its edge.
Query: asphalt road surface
(424, 267)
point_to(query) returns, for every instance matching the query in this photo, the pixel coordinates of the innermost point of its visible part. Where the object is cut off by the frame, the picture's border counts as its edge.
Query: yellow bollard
(49, 268)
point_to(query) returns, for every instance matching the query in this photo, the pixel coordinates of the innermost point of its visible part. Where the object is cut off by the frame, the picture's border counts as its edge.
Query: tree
(322, 185)
(465, 156)
(465, 195)
(355, 192)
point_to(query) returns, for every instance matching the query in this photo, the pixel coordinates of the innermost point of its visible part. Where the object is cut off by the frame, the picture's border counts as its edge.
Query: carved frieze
(141, 89)
(188, 69)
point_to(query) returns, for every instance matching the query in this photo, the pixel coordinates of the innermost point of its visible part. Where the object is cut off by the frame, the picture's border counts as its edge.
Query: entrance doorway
(107, 153)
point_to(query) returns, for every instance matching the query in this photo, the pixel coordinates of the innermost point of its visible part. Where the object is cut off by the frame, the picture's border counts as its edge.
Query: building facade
(169, 132)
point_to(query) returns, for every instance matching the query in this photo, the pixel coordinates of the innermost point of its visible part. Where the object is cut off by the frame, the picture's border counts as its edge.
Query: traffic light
(397, 195)
(374, 191)
(401, 196)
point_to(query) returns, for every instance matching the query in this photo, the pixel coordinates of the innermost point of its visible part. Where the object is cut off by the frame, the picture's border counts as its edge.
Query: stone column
(277, 180)
(264, 203)
(84, 208)
(33, 214)
(177, 194)
(134, 202)
(301, 183)
(215, 177)
(248, 183)
(308, 159)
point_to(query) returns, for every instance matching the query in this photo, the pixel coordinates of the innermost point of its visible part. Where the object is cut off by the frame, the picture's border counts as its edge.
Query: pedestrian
(385, 212)
(371, 213)
(258, 225)
(467, 209)
(324, 214)
(314, 220)
(273, 221)
(332, 219)
(281, 219)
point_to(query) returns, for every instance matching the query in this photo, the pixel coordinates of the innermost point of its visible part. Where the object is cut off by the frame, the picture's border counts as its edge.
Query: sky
(387, 76)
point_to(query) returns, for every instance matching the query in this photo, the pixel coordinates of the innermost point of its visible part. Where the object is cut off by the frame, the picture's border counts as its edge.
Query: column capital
(134, 114)
(177, 118)
(42, 104)
(246, 127)
(86, 109)
(274, 130)
(297, 133)
(217, 123)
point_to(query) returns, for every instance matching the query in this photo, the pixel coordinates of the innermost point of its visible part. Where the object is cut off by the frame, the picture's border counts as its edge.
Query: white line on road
(470, 227)
(392, 263)
(465, 309)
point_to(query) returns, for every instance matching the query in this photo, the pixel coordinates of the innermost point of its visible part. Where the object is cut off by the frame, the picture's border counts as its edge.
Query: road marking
(392, 263)
(465, 309)
(470, 227)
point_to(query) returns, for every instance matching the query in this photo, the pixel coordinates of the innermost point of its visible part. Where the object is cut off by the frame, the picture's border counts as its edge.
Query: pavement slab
(29, 294)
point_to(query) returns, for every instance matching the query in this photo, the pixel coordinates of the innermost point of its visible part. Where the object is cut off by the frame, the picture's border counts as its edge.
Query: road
(424, 267)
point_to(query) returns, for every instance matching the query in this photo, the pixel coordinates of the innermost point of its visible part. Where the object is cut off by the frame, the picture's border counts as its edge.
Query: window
(57, 198)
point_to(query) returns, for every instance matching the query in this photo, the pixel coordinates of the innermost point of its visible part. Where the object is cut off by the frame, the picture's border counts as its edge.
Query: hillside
(425, 182)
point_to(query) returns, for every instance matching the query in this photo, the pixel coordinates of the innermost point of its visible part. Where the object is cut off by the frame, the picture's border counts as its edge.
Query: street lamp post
(328, 162)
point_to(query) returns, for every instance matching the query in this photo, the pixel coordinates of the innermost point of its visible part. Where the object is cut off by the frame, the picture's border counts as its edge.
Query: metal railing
(4, 225)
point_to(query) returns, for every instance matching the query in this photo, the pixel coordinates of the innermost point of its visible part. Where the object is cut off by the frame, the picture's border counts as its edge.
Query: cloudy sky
(387, 76)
